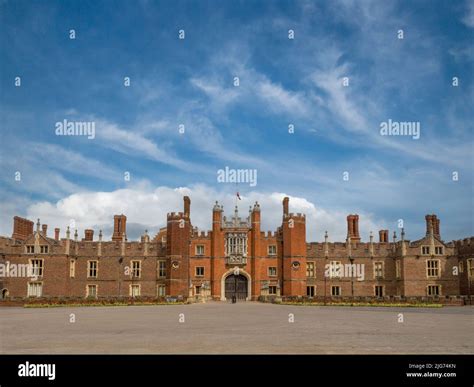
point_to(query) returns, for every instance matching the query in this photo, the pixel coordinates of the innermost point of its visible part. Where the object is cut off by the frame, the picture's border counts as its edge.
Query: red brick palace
(235, 258)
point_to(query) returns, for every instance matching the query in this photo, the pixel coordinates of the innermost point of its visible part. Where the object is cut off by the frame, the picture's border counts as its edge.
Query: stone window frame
(198, 247)
(314, 290)
(158, 287)
(270, 269)
(398, 269)
(375, 270)
(38, 283)
(313, 264)
(135, 286)
(196, 271)
(333, 287)
(88, 295)
(470, 267)
(44, 249)
(30, 249)
(161, 269)
(335, 264)
(272, 290)
(381, 287)
(430, 286)
(72, 268)
(41, 266)
(436, 249)
(236, 243)
(89, 268)
(428, 249)
(270, 249)
(437, 268)
(138, 269)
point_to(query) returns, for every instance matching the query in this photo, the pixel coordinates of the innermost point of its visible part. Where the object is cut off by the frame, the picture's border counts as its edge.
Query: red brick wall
(180, 247)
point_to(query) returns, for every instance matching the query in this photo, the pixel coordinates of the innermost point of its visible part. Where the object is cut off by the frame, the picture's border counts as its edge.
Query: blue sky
(282, 81)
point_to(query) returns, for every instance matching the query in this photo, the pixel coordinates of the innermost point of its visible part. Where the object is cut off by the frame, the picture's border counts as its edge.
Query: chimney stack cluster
(432, 221)
(22, 228)
(353, 228)
(120, 227)
(88, 235)
(383, 236)
(187, 206)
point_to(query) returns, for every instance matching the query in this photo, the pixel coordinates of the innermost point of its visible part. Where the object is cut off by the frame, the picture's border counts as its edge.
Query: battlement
(295, 216)
(465, 246)
(111, 248)
(339, 249)
(201, 234)
(465, 242)
(268, 234)
(177, 216)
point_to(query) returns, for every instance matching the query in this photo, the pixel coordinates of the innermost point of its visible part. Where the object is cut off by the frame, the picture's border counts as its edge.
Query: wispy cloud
(468, 18)
(135, 144)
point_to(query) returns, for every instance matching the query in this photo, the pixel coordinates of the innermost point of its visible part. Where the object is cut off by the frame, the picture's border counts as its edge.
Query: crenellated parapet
(465, 246)
(340, 249)
(201, 234)
(268, 234)
(177, 216)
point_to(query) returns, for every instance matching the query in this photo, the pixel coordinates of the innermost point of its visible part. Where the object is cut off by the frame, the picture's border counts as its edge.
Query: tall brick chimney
(187, 206)
(22, 228)
(383, 236)
(56, 233)
(429, 223)
(436, 227)
(89, 235)
(286, 203)
(45, 229)
(432, 221)
(353, 227)
(120, 227)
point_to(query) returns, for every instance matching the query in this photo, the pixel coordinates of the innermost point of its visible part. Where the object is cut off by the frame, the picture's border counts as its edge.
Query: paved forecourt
(247, 328)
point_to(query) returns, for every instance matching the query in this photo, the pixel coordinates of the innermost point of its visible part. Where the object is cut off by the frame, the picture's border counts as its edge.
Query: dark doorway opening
(236, 286)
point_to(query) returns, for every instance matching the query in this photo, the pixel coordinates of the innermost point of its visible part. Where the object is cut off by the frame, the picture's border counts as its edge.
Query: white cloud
(146, 208)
